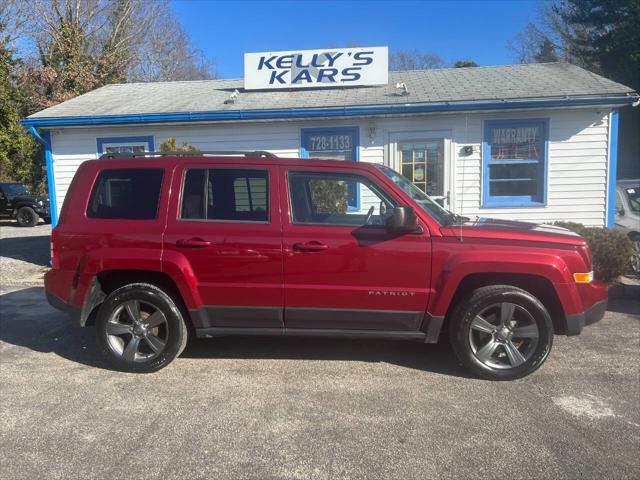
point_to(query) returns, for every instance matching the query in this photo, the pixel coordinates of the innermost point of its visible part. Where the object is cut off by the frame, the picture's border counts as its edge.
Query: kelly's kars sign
(331, 67)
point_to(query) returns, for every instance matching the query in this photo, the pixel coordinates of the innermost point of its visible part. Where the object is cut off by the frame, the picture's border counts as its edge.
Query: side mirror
(403, 219)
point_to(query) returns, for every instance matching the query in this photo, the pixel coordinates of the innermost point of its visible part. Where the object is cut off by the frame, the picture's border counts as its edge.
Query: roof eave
(327, 112)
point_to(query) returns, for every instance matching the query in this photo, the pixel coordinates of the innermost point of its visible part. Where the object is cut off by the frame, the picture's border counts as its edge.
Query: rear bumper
(59, 304)
(593, 314)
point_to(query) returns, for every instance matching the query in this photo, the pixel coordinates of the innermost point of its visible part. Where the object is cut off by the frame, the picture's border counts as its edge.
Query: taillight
(55, 258)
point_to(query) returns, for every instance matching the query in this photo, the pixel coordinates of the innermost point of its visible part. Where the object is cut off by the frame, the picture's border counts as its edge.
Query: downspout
(45, 140)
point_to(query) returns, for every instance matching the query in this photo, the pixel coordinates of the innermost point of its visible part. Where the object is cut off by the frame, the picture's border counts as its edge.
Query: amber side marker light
(583, 277)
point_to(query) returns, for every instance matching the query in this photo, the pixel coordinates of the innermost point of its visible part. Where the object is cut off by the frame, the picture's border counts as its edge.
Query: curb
(620, 290)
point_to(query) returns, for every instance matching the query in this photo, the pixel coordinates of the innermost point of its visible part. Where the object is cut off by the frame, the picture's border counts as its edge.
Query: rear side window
(226, 194)
(127, 193)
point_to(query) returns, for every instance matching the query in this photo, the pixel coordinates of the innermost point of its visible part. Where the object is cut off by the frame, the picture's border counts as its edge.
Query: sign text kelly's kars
(316, 68)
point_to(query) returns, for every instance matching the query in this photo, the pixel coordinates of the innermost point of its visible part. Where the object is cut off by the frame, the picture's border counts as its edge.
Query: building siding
(576, 171)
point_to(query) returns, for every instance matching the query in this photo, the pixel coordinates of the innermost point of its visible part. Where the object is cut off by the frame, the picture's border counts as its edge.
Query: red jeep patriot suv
(151, 251)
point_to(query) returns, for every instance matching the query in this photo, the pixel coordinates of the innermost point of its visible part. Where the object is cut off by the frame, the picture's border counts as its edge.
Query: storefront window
(514, 157)
(124, 145)
(335, 144)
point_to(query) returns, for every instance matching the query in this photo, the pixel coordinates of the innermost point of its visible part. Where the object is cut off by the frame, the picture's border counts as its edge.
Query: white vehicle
(628, 215)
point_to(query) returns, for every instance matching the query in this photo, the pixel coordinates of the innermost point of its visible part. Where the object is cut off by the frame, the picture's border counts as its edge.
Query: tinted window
(130, 193)
(226, 194)
(324, 199)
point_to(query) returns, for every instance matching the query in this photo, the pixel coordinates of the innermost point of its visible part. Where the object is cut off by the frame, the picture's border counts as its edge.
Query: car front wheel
(27, 217)
(140, 329)
(501, 332)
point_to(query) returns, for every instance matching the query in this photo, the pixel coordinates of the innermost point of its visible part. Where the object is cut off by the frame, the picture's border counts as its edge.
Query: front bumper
(593, 314)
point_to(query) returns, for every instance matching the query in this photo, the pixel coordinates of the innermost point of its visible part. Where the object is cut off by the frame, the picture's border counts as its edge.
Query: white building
(526, 142)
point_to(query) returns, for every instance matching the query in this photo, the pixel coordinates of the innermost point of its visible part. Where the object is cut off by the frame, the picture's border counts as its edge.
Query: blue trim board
(139, 139)
(305, 133)
(515, 201)
(45, 140)
(322, 112)
(613, 170)
(51, 182)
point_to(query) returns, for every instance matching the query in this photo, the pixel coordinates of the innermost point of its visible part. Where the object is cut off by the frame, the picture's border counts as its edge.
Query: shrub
(171, 145)
(611, 250)
(329, 196)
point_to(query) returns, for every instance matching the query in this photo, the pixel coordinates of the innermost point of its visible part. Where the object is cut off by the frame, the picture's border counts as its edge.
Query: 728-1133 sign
(322, 143)
(333, 67)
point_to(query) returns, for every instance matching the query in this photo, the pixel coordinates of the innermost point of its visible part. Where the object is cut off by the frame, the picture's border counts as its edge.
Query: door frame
(393, 159)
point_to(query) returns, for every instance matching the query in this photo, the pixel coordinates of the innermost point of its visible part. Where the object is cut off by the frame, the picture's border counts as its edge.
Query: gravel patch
(24, 253)
(318, 409)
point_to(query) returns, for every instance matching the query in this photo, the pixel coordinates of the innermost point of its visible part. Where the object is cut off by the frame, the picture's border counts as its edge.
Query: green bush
(328, 196)
(611, 250)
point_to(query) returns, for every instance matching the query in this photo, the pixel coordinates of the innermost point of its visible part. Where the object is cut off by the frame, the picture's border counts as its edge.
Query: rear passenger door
(225, 225)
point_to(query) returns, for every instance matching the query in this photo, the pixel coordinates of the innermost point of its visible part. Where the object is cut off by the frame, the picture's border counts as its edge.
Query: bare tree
(83, 44)
(163, 57)
(14, 20)
(414, 60)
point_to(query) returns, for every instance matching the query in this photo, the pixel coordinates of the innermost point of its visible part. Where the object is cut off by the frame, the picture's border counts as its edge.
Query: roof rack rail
(195, 153)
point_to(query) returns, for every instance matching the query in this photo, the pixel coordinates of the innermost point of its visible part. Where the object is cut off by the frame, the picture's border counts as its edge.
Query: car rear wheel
(27, 217)
(140, 328)
(501, 332)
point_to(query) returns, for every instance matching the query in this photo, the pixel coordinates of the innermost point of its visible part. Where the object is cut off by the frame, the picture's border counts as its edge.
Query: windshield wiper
(454, 219)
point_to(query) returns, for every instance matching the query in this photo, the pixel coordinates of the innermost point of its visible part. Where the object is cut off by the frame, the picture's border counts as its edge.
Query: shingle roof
(509, 82)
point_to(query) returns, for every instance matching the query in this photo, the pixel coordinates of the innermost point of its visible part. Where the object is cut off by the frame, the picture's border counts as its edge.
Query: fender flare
(458, 267)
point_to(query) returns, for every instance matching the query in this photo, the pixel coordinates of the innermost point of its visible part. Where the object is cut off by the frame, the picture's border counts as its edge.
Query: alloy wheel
(635, 257)
(137, 331)
(503, 335)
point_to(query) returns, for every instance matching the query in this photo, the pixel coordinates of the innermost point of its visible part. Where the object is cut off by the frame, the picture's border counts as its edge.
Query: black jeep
(16, 202)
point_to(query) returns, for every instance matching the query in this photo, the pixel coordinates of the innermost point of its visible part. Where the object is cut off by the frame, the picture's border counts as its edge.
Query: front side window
(323, 198)
(14, 189)
(334, 144)
(225, 194)
(514, 162)
(126, 193)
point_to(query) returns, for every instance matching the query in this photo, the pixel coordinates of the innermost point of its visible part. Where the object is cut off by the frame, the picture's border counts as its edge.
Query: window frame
(538, 200)
(305, 133)
(373, 186)
(103, 142)
(206, 179)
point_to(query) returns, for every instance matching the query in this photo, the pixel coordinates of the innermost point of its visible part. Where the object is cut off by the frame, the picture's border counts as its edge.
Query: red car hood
(512, 230)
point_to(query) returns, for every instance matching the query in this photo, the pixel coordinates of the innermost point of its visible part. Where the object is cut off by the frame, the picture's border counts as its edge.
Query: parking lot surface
(295, 408)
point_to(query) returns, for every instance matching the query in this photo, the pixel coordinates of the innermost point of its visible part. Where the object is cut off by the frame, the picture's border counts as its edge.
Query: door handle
(312, 246)
(193, 243)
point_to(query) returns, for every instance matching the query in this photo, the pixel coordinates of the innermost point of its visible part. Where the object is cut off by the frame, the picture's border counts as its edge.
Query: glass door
(422, 162)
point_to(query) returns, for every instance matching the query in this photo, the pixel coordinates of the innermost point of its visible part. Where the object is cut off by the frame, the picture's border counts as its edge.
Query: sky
(455, 30)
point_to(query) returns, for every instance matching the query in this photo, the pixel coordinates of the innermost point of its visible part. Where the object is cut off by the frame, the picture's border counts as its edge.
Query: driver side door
(342, 268)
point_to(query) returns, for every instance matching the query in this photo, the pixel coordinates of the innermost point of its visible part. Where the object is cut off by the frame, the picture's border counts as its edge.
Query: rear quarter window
(126, 193)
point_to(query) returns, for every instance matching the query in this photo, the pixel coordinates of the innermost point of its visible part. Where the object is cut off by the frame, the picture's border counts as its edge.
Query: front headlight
(41, 203)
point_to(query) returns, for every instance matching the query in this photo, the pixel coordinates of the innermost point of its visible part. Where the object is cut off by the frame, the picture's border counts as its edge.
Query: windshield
(429, 205)
(15, 189)
(633, 194)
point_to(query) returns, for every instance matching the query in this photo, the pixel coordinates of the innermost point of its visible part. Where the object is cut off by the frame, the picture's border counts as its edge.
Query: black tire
(172, 332)
(527, 313)
(26, 217)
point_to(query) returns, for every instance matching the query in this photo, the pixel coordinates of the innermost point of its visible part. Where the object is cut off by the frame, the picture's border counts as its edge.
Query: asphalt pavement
(292, 408)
